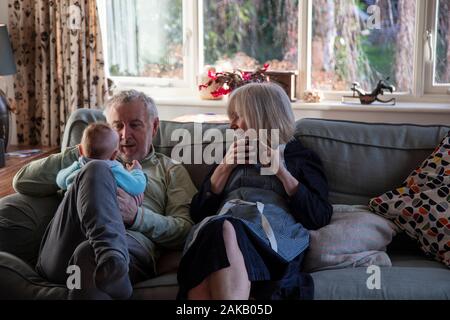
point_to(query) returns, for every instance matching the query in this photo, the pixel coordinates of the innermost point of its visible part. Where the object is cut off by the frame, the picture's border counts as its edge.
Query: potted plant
(215, 85)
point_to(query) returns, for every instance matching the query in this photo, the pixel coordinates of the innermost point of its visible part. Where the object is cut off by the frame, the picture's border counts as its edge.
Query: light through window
(362, 41)
(145, 38)
(442, 59)
(244, 34)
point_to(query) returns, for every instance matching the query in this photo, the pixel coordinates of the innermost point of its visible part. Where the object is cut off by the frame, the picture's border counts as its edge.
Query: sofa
(361, 160)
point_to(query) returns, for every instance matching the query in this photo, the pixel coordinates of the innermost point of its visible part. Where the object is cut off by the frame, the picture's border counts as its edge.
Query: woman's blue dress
(273, 262)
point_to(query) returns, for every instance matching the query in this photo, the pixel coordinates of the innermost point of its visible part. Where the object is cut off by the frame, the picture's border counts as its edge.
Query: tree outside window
(362, 41)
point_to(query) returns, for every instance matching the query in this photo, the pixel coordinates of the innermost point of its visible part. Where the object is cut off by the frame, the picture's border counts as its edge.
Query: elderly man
(108, 234)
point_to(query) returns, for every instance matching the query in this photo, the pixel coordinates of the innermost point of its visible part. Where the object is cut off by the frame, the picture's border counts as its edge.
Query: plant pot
(205, 93)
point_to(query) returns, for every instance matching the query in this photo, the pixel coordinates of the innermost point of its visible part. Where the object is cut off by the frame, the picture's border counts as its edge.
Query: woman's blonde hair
(264, 106)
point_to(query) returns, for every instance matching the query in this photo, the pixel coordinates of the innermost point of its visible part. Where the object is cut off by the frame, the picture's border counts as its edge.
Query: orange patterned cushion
(421, 206)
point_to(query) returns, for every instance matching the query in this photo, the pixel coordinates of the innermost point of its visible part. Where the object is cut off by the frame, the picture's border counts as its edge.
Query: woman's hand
(240, 152)
(273, 164)
(272, 160)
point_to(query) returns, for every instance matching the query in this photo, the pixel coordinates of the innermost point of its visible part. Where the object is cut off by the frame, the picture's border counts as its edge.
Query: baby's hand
(134, 165)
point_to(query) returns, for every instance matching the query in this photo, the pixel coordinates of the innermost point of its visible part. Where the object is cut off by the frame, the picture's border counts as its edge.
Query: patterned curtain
(58, 51)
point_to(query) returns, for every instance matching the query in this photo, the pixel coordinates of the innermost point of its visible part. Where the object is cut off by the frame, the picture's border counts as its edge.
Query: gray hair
(264, 106)
(129, 96)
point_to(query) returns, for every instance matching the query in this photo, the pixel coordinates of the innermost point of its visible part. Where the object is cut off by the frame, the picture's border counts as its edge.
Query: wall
(3, 11)
(403, 112)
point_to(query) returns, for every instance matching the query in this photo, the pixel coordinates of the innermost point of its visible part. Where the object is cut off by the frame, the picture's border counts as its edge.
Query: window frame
(417, 86)
(430, 44)
(190, 30)
(422, 87)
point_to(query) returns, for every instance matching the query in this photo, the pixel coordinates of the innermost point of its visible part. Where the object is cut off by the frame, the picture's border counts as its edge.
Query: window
(437, 47)
(355, 40)
(442, 59)
(245, 34)
(331, 43)
(145, 38)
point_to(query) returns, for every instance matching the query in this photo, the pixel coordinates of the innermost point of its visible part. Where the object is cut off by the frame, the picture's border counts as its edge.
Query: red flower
(233, 80)
(212, 75)
(220, 92)
(246, 75)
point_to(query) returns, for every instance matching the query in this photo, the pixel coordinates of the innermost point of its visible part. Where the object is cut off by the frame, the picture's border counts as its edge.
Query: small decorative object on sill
(369, 98)
(310, 96)
(218, 84)
(287, 79)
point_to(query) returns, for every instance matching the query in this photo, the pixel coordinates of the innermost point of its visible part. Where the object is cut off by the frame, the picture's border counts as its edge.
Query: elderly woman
(251, 232)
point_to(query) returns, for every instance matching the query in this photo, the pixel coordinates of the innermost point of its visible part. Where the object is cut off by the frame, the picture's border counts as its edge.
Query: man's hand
(128, 206)
(134, 165)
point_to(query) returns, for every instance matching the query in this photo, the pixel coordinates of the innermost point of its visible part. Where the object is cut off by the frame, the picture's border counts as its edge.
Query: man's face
(134, 128)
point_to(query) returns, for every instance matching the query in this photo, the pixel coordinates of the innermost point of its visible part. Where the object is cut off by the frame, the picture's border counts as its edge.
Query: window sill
(414, 107)
(185, 97)
(425, 110)
(328, 105)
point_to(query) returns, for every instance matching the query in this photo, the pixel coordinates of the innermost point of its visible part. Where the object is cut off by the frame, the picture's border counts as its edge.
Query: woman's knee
(229, 233)
(230, 240)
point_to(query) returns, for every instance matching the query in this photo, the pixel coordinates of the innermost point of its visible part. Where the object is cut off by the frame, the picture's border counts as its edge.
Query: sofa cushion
(396, 283)
(23, 221)
(420, 206)
(355, 237)
(363, 160)
(18, 281)
(77, 122)
(411, 277)
(186, 142)
(164, 287)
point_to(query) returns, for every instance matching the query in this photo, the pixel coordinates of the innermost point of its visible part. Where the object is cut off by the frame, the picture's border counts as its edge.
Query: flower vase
(206, 93)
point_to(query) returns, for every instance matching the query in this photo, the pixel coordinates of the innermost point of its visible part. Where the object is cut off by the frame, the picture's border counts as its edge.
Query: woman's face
(237, 122)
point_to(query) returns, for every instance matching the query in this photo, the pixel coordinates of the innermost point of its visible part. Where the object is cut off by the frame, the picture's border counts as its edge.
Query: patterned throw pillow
(421, 206)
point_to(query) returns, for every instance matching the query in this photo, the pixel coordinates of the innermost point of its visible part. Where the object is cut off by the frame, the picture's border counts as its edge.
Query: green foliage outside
(267, 30)
(257, 28)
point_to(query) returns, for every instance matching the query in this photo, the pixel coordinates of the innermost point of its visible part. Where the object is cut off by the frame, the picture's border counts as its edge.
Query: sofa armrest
(77, 122)
(23, 221)
(19, 281)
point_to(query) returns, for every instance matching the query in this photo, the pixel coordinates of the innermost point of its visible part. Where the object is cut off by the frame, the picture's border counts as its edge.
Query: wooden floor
(13, 164)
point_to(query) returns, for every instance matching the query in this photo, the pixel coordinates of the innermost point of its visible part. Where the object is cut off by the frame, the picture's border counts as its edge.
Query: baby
(101, 142)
